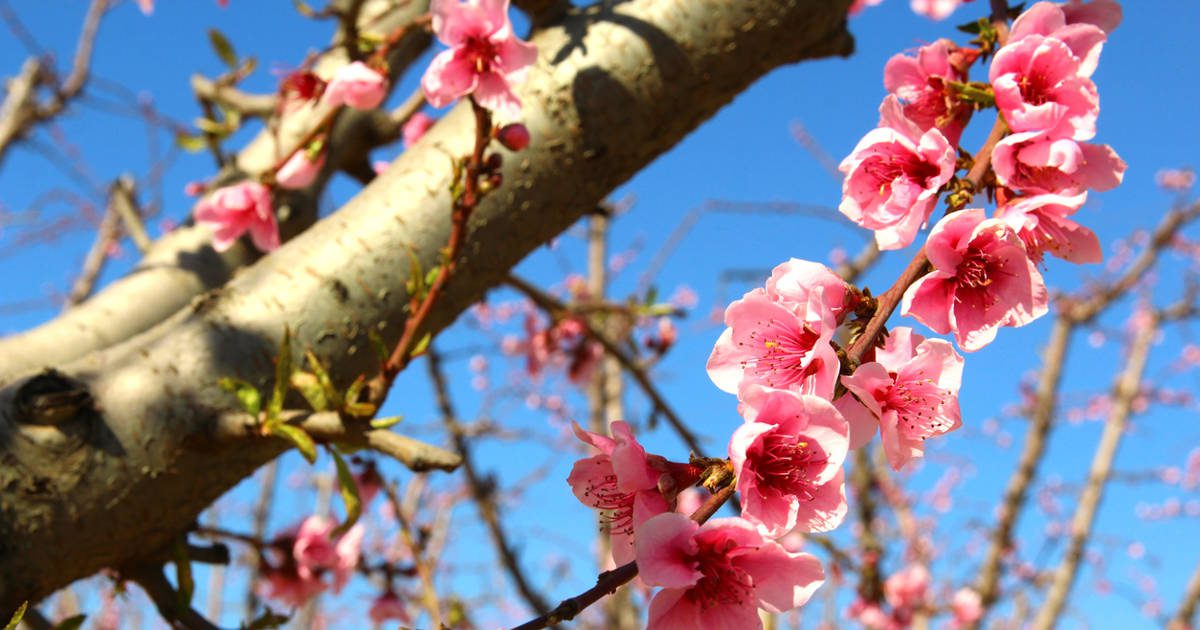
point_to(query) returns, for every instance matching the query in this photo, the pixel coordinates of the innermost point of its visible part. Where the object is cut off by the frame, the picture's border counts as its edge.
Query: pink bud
(356, 85)
(299, 171)
(514, 137)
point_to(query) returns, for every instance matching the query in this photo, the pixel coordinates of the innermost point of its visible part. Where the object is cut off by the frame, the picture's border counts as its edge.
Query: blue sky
(744, 154)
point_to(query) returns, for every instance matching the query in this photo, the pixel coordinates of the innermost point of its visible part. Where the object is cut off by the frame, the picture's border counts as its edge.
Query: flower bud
(514, 137)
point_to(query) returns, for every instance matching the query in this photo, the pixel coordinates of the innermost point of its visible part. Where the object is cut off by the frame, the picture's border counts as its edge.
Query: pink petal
(664, 546)
(782, 580)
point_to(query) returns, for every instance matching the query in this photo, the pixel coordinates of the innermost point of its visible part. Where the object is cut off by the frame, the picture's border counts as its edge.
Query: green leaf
(73, 622)
(381, 349)
(269, 619)
(385, 423)
(222, 47)
(189, 143)
(974, 28)
(283, 373)
(17, 617)
(355, 389)
(309, 386)
(415, 285)
(303, 441)
(432, 274)
(421, 346)
(212, 127)
(246, 393)
(349, 491)
(331, 393)
(360, 409)
(183, 573)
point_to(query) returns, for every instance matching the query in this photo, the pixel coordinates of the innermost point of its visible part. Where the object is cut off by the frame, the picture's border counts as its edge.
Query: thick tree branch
(129, 470)
(182, 264)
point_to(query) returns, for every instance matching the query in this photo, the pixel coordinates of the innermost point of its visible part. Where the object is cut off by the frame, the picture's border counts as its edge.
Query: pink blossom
(717, 575)
(195, 188)
(1036, 163)
(315, 551)
(388, 606)
(1049, 20)
(1175, 179)
(234, 210)
(146, 6)
(910, 392)
(1105, 14)
(1041, 222)
(907, 588)
(1038, 87)
(921, 83)
(416, 127)
(935, 9)
(300, 170)
(793, 282)
(788, 458)
(776, 343)
(356, 85)
(858, 5)
(368, 482)
(485, 57)
(893, 177)
(624, 483)
(967, 608)
(982, 279)
(871, 616)
(285, 585)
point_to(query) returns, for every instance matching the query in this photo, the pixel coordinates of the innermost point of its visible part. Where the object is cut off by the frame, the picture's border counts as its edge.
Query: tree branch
(1125, 389)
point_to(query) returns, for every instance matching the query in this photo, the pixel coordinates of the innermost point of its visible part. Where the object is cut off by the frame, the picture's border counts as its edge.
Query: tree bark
(614, 87)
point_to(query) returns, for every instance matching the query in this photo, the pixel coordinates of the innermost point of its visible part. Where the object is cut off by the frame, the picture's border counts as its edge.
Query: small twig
(93, 262)
(1123, 393)
(167, 600)
(1182, 619)
(482, 490)
(432, 606)
(864, 483)
(248, 105)
(123, 199)
(557, 309)
(328, 426)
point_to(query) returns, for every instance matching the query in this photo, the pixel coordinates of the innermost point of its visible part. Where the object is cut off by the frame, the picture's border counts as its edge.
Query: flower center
(723, 583)
(974, 270)
(481, 53)
(781, 352)
(616, 507)
(918, 405)
(790, 463)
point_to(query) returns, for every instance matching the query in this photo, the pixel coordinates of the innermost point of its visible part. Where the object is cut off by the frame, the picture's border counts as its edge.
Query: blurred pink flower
(234, 210)
(356, 85)
(388, 606)
(300, 170)
(416, 127)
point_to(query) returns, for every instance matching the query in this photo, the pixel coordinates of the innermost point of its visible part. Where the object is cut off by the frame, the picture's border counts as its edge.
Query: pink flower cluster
(307, 556)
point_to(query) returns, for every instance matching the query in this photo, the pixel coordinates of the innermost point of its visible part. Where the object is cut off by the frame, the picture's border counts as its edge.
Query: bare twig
(1124, 391)
(424, 571)
(1182, 619)
(167, 600)
(482, 489)
(557, 309)
(328, 426)
(250, 105)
